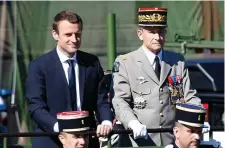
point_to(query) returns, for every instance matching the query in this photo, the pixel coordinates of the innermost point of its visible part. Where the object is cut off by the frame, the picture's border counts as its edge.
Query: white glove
(139, 130)
(56, 127)
(206, 130)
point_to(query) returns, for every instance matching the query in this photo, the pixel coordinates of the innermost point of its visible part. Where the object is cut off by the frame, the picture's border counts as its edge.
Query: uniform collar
(151, 55)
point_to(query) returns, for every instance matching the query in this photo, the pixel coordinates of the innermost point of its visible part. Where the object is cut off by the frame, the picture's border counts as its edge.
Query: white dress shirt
(63, 58)
(151, 56)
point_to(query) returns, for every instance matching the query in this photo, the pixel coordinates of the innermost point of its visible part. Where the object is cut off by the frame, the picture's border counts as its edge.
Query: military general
(149, 81)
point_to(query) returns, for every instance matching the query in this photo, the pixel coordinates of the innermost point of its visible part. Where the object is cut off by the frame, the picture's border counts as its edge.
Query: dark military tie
(72, 84)
(157, 67)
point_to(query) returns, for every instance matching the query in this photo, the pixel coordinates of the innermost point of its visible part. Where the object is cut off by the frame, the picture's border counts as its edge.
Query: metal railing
(93, 132)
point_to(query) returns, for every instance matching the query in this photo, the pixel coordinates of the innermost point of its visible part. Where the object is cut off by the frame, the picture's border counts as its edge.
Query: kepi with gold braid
(190, 114)
(152, 17)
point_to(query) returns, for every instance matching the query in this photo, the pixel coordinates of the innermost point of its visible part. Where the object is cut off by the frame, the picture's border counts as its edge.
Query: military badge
(170, 80)
(174, 78)
(142, 80)
(140, 102)
(116, 66)
(181, 92)
(179, 80)
(175, 86)
(173, 91)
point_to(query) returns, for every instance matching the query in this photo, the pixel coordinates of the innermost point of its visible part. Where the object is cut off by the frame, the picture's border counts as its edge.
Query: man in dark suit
(66, 79)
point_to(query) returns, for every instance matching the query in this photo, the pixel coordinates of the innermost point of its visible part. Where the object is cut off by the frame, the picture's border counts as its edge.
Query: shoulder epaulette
(122, 57)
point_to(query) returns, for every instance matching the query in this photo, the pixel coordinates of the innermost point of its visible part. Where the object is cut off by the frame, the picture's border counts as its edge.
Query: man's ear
(176, 132)
(139, 33)
(55, 35)
(62, 139)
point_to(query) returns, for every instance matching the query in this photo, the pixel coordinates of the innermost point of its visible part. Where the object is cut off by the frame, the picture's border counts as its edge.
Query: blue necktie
(72, 84)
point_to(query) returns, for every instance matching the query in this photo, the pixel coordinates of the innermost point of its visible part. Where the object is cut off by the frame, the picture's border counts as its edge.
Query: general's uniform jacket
(171, 146)
(139, 95)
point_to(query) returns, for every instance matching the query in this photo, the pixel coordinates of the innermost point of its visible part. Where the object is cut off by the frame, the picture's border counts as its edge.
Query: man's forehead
(153, 28)
(77, 133)
(191, 127)
(70, 133)
(67, 26)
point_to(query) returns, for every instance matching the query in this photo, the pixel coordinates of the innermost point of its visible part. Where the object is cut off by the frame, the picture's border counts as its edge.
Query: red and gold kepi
(152, 17)
(73, 121)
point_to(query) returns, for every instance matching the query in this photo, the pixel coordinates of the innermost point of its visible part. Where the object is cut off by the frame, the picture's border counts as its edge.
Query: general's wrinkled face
(68, 36)
(71, 140)
(188, 137)
(153, 37)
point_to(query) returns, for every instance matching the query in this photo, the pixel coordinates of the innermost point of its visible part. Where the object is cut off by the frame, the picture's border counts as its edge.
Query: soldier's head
(73, 128)
(152, 23)
(189, 123)
(73, 140)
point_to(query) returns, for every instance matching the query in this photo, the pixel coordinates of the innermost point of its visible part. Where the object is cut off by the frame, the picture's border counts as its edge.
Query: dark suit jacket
(47, 92)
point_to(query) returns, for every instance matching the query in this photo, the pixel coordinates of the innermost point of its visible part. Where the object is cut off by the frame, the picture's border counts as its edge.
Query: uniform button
(161, 114)
(160, 101)
(161, 90)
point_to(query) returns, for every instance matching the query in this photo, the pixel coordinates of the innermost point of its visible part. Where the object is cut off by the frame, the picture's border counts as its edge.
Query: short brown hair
(66, 15)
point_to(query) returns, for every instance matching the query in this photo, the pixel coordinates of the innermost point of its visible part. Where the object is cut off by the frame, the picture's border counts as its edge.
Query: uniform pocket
(142, 89)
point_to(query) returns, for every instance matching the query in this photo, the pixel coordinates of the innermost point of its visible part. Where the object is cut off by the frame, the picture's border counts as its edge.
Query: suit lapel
(145, 65)
(82, 75)
(165, 67)
(61, 77)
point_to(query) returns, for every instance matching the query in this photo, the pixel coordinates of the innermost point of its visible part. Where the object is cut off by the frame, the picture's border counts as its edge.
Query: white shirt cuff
(107, 122)
(56, 127)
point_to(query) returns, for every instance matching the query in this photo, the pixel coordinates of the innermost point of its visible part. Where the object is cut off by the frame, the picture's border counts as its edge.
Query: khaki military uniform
(139, 95)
